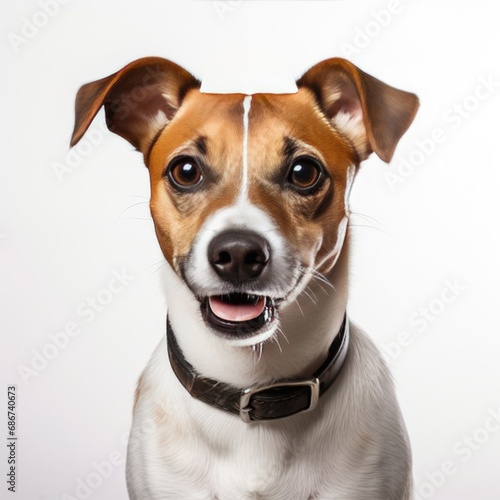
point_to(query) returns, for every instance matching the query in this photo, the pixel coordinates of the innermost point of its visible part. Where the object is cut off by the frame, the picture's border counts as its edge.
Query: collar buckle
(247, 394)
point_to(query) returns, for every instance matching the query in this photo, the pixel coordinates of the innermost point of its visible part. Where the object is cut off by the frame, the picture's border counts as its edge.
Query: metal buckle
(247, 394)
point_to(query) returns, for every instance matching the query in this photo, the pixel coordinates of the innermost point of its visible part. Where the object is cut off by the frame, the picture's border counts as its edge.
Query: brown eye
(304, 174)
(184, 173)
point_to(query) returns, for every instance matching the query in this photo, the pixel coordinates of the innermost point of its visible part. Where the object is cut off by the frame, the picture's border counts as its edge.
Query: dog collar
(269, 402)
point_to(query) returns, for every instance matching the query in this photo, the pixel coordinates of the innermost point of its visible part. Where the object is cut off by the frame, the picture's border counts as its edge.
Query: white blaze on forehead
(247, 103)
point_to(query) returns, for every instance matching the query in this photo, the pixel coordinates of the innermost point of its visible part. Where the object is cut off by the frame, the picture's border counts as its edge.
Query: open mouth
(238, 314)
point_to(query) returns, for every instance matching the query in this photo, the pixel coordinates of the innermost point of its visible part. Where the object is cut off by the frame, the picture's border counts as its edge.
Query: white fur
(352, 447)
(351, 172)
(352, 126)
(242, 215)
(247, 104)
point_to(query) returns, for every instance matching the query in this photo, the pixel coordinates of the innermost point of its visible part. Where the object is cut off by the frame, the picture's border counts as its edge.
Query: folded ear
(370, 113)
(139, 100)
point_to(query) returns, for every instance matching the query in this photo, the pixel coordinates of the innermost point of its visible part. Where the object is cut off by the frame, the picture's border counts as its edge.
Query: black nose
(238, 256)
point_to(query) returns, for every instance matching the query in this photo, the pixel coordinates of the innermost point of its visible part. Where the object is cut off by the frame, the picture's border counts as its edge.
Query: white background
(62, 237)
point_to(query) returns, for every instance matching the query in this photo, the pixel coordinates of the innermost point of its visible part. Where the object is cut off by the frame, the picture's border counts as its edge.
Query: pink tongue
(233, 312)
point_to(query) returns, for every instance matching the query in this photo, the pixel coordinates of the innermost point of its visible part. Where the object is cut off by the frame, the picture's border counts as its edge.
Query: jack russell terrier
(261, 388)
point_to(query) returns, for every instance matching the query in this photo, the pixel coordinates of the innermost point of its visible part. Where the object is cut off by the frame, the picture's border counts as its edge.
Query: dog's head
(249, 193)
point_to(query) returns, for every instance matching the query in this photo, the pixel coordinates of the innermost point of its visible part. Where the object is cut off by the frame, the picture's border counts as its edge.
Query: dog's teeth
(240, 299)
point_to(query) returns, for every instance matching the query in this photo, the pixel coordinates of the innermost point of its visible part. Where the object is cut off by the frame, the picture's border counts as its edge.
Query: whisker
(155, 263)
(158, 268)
(137, 196)
(367, 217)
(322, 278)
(371, 227)
(313, 294)
(149, 219)
(275, 339)
(261, 348)
(318, 281)
(279, 330)
(308, 295)
(300, 308)
(128, 208)
(282, 333)
(257, 351)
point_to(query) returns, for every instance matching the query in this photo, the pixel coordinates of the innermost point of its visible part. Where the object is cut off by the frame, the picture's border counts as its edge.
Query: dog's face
(249, 193)
(248, 200)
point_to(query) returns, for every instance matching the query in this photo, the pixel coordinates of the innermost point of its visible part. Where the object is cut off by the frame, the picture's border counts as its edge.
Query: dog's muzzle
(242, 261)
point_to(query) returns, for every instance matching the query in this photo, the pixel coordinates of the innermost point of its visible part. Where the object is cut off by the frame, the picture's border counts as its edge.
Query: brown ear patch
(372, 114)
(139, 99)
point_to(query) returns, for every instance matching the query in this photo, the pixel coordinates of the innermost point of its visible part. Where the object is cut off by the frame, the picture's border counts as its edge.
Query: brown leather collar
(270, 402)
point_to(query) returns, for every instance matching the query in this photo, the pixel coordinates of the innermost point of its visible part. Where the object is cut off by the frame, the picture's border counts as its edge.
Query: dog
(261, 388)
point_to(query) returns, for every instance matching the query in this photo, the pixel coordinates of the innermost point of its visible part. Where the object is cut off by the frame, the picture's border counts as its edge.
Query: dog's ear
(370, 113)
(139, 100)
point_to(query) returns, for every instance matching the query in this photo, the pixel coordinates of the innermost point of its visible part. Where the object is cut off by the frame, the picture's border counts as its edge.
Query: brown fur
(272, 119)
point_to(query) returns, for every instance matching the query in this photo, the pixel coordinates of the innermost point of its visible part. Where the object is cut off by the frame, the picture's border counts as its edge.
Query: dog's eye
(305, 174)
(184, 173)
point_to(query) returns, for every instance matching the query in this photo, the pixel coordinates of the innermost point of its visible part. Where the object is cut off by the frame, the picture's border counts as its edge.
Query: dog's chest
(264, 461)
(194, 451)
(264, 469)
